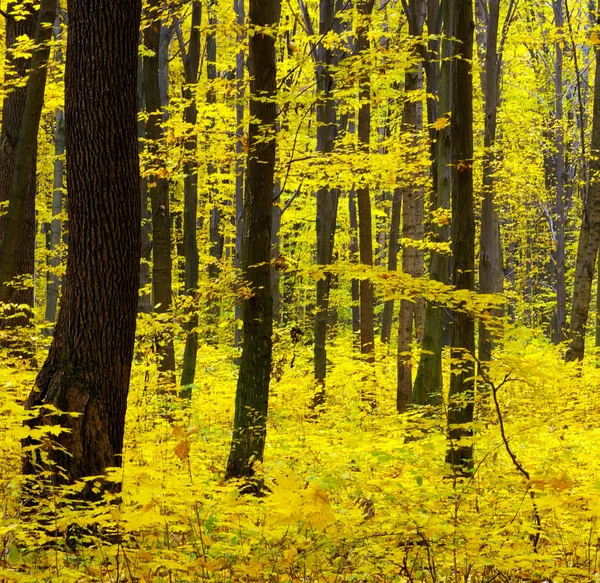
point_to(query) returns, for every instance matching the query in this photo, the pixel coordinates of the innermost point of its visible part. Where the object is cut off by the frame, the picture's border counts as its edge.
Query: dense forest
(300, 291)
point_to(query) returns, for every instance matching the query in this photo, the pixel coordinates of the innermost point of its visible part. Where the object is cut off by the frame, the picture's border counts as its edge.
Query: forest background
(392, 207)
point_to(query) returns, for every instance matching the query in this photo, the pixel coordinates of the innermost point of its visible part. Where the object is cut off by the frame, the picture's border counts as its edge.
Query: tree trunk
(363, 198)
(353, 255)
(589, 238)
(462, 334)
(88, 367)
(393, 249)
(190, 202)
(158, 187)
(428, 384)
(560, 320)
(327, 198)
(487, 255)
(412, 217)
(239, 155)
(19, 223)
(252, 395)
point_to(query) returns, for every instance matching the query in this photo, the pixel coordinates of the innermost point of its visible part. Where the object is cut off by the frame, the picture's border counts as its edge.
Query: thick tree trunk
(589, 238)
(560, 320)
(158, 187)
(18, 236)
(428, 387)
(462, 334)
(252, 396)
(88, 366)
(363, 198)
(190, 201)
(327, 198)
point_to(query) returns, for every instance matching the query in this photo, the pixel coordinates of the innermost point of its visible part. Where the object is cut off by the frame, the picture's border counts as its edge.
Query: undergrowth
(355, 494)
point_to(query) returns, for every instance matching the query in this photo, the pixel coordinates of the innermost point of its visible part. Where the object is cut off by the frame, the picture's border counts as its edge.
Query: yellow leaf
(182, 449)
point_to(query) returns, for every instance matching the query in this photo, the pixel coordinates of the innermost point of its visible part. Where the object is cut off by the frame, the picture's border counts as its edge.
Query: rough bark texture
(353, 255)
(412, 218)
(363, 198)
(88, 366)
(427, 389)
(327, 198)
(462, 334)
(190, 201)
(158, 187)
(589, 238)
(18, 157)
(252, 396)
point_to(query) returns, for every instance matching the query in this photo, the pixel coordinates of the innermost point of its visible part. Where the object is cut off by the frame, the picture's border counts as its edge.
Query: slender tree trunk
(239, 154)
(145, 298)
(363, 198)
(252, 396)
(88, 367)
(462, 334)
(428, 387)
(158, 187)
(412, 217)
(353, 256)
(190, 201)
(487, 256)
(19, 223)
(216, 237)
(327, 198)
(560, 321)
(393, 249)
(589, 238)
(53, 283)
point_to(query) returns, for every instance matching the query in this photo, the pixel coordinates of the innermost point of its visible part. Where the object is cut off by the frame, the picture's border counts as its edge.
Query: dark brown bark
(353, 257)
(327, 198)
(393, 249)
(158, 188)
(427, 389)
(88, 367)
(252, 395)
(589, 238)
(19, 157)
(190, 200)
(363, 198)
(462, 334)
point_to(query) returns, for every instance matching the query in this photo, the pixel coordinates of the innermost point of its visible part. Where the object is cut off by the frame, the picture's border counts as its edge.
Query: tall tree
(427, 388)
(363, 197)
(19, 223)
(560, 316)
(327, 198)
(412, 210)
(252, 395)
(54, 229)
(589, 237)
(462, 335)
(191, 63)
(88, 367)
(158, 187)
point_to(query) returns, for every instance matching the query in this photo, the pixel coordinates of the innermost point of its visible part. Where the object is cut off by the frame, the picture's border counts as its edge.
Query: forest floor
(355, 494)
